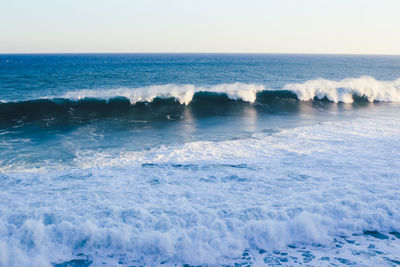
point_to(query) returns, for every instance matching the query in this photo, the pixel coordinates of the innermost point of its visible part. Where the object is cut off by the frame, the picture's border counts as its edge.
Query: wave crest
(335, 91)
(183, 93)
(344, 90)
(171, 102)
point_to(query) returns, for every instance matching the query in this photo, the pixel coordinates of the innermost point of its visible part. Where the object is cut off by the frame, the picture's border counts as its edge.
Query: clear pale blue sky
(266, 26)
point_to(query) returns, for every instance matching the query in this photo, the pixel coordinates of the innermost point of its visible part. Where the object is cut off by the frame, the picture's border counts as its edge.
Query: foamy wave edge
(335, 91)
(183, 93)
(344, 90)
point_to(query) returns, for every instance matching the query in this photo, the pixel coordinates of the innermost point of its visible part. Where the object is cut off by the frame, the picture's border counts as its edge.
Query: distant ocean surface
(199, 160)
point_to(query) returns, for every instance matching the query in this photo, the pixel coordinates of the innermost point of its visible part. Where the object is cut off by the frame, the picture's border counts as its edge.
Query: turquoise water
(199, 159)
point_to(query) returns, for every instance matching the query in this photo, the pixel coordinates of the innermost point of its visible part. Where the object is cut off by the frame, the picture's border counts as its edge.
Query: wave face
(170, 102)
(66, 111)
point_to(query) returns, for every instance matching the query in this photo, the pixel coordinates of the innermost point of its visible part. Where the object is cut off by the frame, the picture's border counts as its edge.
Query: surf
(173, 102)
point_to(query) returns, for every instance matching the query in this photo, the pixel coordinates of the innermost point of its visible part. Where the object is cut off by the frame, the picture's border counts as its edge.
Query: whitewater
(336, 91)
(212, 202)
(199, 160)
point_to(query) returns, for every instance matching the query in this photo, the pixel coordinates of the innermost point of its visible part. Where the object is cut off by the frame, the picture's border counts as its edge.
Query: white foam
(183, 93)
(205, 202)
(343, 91)
(336, 91)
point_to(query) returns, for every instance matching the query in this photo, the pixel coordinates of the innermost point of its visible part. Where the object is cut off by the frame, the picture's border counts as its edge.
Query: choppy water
(199, 159)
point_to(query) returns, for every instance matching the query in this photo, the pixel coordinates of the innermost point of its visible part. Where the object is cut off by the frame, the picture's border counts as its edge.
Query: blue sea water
(199, 159)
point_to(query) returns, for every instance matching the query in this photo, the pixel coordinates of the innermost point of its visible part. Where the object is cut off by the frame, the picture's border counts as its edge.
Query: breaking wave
(344, 90)
(182, 93)
(335, 91)
(172, 101)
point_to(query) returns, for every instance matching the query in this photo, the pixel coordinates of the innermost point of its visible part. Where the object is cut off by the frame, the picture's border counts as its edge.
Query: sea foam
(344, 90)
(336, 91)
(183, 93)
(209, 202)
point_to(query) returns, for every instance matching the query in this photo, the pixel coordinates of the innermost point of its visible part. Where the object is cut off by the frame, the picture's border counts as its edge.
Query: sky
(243, 26)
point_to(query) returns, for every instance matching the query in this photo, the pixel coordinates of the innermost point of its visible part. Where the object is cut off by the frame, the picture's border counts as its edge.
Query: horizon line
(221, 53)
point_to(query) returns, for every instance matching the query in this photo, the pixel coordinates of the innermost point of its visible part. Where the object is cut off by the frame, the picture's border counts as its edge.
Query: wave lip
(335, 91)
(344, 90)
(183, 93)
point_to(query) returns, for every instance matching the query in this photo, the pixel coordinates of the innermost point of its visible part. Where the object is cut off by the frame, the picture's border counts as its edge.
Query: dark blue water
(200, 159)
(33, 76)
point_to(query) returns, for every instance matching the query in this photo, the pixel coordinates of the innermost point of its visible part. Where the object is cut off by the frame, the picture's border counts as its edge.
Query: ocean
(199, 160)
